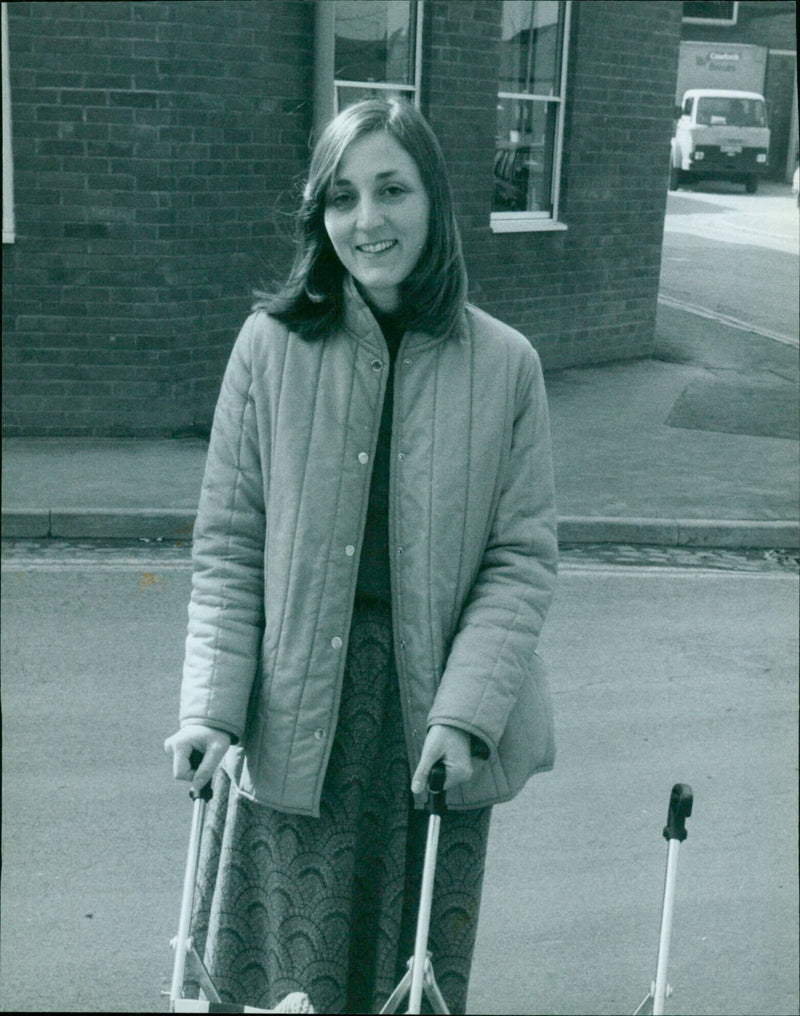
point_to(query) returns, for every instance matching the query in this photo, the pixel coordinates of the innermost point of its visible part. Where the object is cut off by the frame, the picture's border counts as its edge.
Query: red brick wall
(153, 143)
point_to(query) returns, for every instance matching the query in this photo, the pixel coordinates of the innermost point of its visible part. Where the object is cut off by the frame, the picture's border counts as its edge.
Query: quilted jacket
(278, 538)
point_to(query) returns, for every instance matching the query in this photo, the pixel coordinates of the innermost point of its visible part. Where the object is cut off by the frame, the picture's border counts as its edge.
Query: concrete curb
(729, 533)
(178, 523)
(98, 523)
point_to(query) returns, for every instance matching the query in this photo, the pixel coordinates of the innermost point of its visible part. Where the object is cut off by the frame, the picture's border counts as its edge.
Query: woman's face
(376, 215)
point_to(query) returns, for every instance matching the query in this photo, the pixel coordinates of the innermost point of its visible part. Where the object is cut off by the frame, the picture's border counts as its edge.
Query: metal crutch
(182, 943)
(419, 974)
(680, 808)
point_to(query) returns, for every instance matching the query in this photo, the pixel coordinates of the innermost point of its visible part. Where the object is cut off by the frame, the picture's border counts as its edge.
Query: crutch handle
(205, 792)
(437, 804)
(680, 808)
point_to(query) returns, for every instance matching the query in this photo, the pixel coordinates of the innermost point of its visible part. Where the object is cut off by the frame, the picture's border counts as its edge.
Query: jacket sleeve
(492, 651)
(226, 608)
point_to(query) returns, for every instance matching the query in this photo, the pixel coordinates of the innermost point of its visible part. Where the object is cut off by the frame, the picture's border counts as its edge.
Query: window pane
(530, 47)
(523, 164)
(721, 111)
(710, 10)
(375, 40)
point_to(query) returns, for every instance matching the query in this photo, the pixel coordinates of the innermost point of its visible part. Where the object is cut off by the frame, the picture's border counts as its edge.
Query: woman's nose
(368, 214)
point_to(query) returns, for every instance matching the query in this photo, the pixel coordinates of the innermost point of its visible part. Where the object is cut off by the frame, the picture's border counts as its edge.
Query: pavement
(696, 445)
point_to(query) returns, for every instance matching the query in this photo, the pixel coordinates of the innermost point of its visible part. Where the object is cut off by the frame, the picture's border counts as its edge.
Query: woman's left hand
(450, 745)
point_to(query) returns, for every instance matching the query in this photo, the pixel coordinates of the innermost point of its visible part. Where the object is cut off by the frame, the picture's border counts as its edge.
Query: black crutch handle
(680, 808)
(204, 793)
(436, 796)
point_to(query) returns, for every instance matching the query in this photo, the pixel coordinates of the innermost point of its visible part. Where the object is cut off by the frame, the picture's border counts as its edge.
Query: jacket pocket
(526, 747)
(528, 742)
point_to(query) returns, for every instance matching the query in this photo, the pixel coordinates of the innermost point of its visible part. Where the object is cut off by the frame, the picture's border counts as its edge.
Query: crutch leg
(680, 808)
(182, 942)
(419, 975)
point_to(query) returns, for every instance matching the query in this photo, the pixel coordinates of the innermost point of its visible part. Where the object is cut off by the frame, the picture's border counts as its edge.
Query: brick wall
(153, 143)
(587, 294)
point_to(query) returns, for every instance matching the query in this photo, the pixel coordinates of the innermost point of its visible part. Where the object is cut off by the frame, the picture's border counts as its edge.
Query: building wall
(586, 294)
(155, 150)
(152, 147)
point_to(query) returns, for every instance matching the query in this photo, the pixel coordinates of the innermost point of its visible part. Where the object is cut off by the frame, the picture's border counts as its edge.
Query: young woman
(374, 555)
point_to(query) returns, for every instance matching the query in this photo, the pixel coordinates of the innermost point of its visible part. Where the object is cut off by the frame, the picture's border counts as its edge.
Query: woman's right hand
(209, 742)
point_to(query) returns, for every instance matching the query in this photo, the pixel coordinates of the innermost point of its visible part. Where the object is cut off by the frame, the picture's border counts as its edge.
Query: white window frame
(728, 22)
(9, 228)
(540, 221)
(326, 85)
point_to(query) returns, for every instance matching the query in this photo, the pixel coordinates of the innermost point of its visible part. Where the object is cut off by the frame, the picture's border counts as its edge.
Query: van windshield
(723, 111)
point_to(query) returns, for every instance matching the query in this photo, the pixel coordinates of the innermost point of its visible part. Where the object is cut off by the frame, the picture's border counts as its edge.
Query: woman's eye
(340, 200)
(394, 190)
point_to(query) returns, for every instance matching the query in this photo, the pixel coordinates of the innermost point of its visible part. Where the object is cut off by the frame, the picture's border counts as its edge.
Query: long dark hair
(433, 295)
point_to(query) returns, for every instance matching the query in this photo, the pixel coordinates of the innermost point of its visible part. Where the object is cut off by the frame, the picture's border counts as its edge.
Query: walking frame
(419, 977)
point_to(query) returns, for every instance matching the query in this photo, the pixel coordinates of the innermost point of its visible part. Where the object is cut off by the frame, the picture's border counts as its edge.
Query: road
(660, 674)
(734, 256)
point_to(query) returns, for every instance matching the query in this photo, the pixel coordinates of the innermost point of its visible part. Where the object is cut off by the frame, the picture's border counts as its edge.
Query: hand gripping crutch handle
(437, 806)
(201, 799)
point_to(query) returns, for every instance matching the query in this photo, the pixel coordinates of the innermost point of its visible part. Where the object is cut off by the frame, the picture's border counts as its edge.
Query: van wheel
(751, 184)
(675, 176)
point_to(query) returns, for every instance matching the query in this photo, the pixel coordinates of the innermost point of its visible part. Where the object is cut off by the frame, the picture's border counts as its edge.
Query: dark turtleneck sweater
(374, 580)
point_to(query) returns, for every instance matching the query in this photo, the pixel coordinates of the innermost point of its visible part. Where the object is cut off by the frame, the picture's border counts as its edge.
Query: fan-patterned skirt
(328, 906)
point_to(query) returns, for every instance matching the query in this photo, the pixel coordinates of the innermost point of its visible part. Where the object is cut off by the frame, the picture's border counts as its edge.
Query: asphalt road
(734, 255)
(660, 675)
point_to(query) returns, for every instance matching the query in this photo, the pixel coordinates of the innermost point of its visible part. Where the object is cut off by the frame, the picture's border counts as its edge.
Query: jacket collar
(359, 320)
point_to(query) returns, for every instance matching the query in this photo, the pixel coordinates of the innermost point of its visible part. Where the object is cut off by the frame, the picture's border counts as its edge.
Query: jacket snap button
(336, 642)
(349, 550)
(401, 457)
(376, 365)
(363, 458)
(400, 551)
(406, 363)
(319, 734)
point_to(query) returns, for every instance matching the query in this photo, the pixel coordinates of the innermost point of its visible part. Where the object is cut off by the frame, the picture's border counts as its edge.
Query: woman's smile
(376, 248)
(376, 216)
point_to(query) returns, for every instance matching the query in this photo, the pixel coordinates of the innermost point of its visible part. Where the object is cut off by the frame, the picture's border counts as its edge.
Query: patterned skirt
(328, 905)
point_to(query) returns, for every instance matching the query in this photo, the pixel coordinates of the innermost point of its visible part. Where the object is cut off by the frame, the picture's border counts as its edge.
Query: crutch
(182, 943)
(680, 808)
(419, 976)
(295, 1002)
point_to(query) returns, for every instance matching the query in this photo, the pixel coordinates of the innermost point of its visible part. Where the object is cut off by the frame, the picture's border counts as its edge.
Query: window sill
(523, 224)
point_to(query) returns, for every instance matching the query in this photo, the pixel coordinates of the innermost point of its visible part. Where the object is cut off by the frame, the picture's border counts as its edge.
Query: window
(710, 12)
(720, 111)
(8, 165)
(530, 115)
(366, 48)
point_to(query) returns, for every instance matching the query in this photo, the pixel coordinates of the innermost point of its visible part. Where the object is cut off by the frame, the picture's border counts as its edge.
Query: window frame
(539, 221)
(326, 85)
(727, 22)
(9, 225)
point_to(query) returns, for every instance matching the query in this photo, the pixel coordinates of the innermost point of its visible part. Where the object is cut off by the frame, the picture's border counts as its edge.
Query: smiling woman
(374, 556)
(376, 216)
(433, 291)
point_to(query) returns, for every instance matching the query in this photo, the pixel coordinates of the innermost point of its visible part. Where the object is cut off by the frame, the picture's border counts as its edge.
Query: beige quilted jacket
(278, 535)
